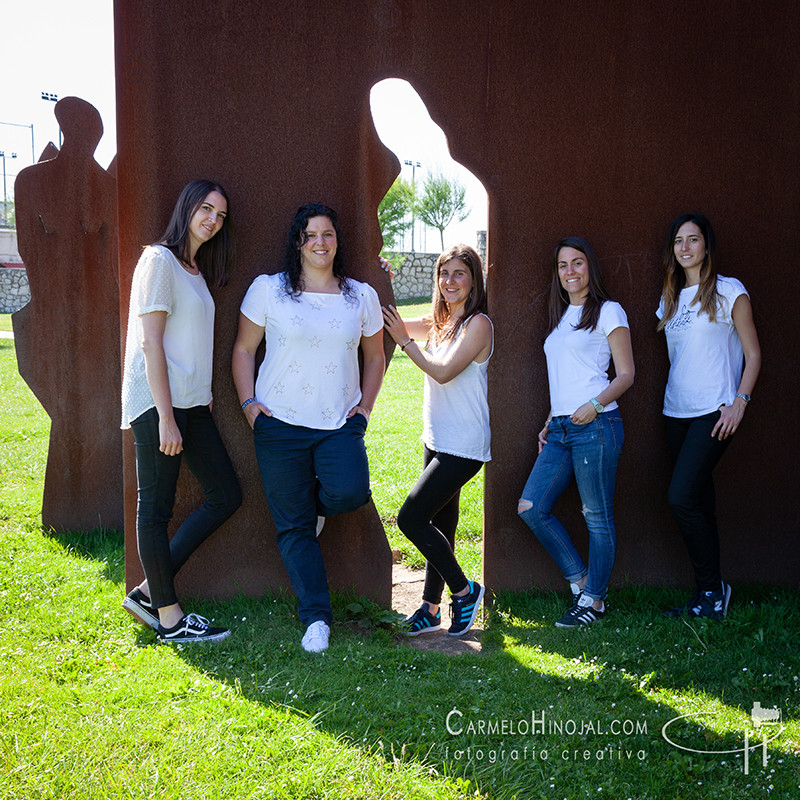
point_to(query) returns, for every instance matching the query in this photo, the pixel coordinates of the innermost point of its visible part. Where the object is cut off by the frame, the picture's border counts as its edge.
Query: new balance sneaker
(192, 628)
(463, 610)
(706, 604)
(422, 621)
(138, 604)
(683, 610)
(581, 612)
(315, 639)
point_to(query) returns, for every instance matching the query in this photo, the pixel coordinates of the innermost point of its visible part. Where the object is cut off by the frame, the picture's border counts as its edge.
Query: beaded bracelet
(247, 403)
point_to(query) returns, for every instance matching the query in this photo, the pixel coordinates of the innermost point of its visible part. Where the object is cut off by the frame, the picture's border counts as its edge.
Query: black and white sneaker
(192, 628)
(138, 604)
(463, 610)
(581, 612)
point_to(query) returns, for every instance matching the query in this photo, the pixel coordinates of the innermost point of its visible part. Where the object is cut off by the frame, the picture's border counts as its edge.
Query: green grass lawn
(91, 707)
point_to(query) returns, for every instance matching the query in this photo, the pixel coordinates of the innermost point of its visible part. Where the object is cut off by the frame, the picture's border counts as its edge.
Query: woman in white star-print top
(310, 404)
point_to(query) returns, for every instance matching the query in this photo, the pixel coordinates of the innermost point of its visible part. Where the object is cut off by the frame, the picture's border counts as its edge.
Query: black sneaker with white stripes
(581, 612)
(192, 628)
(138, 604)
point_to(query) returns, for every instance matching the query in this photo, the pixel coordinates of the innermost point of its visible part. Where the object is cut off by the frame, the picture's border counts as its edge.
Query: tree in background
(443, 200)
(8, 215)
(395, 212)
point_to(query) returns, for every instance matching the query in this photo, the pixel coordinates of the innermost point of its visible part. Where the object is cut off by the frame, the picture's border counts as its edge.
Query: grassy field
(91, 707)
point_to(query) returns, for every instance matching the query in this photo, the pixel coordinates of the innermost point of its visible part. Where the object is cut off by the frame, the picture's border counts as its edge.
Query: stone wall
(414, 271)
(14, 289)
(413, 274)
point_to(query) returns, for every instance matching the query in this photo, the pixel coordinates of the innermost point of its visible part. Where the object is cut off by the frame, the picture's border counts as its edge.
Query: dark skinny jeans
(157, 476)
(691, 492)
(429, 518)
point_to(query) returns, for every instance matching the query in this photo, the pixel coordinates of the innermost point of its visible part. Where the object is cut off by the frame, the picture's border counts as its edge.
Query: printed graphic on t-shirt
(682, 319)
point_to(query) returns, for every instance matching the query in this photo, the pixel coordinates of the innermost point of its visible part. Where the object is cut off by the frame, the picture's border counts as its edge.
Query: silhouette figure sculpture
(68, 335)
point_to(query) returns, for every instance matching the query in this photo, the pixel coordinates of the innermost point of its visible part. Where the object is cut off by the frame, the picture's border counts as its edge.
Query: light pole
(19, 125)
(53, 98)
(413, 165)
(5, 196)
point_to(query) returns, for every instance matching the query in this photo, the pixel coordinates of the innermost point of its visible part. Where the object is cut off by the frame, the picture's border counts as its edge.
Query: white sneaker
(315, 639)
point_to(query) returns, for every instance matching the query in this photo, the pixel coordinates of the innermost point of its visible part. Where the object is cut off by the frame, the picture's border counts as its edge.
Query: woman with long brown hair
(708, 322)
(459, 342)
(166, 400)
(583, 434)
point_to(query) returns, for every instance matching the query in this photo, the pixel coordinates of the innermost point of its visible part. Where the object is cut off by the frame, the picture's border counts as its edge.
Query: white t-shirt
(578, 360)
(706, 358)
(309, 375)
(160, 283)
(455, 415)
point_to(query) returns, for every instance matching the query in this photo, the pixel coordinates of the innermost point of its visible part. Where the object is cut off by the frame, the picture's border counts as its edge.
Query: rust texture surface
(600, 120)
(67, 336)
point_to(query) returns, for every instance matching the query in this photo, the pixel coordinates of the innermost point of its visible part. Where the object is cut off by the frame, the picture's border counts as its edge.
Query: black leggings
(429, 518)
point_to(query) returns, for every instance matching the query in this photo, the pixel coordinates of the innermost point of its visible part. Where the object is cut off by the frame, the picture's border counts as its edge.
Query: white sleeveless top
(455, 415)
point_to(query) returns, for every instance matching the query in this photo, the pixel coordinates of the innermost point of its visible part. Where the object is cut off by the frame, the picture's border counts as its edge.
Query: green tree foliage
(395, 212)
(8, 215)
(443, 200)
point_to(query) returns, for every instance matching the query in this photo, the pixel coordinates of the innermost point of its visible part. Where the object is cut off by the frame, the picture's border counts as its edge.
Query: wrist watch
(745, 397)
(598, 407)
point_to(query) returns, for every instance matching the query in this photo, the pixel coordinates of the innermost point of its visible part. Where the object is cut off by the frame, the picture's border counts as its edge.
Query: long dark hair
(675, 276)
(214, 258)
(559, 299)
(293, 266)
(445, 326)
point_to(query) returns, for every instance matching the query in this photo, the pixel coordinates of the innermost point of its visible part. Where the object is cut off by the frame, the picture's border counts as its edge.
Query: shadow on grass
(105, 545)
(542, 712)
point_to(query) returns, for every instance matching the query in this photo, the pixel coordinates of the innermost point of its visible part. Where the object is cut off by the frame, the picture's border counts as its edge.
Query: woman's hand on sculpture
(395, 325)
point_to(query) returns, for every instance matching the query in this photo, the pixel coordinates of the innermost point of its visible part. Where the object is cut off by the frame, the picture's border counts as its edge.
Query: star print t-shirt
(309, 375)
(705, 357)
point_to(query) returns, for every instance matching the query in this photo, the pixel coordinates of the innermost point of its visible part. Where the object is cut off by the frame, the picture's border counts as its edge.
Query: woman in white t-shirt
(456, 435)
(310, 404)
(708, 322)
(166, 400)
(582, 437)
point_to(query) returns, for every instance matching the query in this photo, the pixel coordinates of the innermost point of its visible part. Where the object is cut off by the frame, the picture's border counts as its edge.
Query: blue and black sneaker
(422, 621)
(463, 610)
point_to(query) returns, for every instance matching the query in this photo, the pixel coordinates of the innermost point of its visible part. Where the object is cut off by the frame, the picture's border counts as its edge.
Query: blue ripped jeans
(587, 454)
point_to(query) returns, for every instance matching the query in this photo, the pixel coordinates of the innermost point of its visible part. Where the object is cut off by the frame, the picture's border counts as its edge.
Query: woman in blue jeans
(582, 437)
(166, 400)
(708, 323)
(310, 404)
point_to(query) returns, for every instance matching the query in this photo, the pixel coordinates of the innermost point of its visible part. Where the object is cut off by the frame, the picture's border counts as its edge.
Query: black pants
(157, 477)
(429, 518)
(691, 492)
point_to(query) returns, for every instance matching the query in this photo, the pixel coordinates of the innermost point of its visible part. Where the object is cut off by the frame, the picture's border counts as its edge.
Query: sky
(65, 49)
